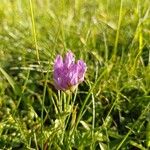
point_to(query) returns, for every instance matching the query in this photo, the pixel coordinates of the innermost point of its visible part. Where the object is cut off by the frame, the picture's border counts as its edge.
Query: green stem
(34, 31)
(88, 96)
(118, 30)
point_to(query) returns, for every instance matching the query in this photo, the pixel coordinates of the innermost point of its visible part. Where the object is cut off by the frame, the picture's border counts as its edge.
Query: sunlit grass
(110, 110)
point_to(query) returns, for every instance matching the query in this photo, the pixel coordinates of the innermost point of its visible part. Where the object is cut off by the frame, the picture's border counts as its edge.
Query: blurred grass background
(112, 37)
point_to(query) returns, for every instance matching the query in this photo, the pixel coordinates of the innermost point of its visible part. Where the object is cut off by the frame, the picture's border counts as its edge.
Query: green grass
(110, 110)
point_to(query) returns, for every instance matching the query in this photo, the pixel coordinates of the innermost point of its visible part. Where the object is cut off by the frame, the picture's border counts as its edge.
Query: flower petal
(58, 62)
(69, 59)
(81, 70)
(58, 67)
(73, 75)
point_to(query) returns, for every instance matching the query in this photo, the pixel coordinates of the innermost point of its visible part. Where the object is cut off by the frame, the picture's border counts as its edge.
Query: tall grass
(110, 110)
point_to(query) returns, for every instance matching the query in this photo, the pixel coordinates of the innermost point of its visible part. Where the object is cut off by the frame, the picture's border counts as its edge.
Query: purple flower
(67, 73)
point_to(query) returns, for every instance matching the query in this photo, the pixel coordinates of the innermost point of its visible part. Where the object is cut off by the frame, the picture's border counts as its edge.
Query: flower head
(67, 73)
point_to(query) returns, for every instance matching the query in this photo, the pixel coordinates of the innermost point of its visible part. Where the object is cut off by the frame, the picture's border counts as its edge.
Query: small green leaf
(135, 144)
(148, 134)
(11, 82)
